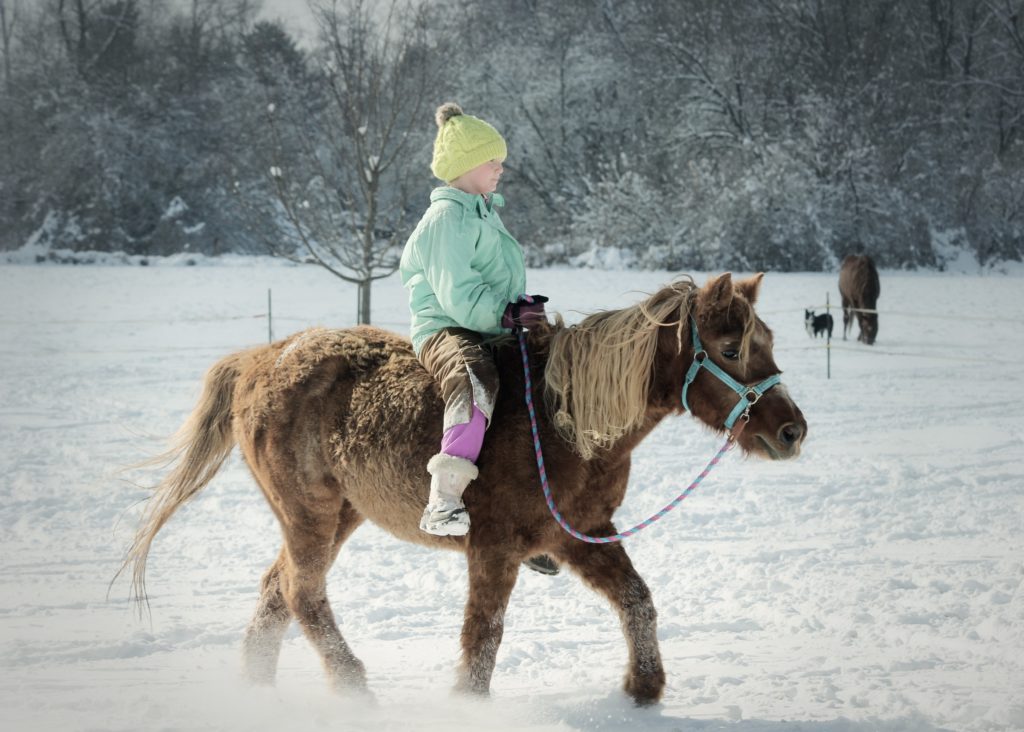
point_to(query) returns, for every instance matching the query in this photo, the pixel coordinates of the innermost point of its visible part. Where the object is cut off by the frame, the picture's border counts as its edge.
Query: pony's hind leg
(607, 569)
(491, 579)
(295, 585)
(263, 637)
(312, 542)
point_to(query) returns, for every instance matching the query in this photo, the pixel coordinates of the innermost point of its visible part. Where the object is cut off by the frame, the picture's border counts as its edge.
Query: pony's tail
(197, 451)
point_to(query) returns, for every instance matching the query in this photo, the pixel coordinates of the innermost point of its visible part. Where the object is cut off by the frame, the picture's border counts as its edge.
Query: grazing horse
(859, 288)
(337, 427)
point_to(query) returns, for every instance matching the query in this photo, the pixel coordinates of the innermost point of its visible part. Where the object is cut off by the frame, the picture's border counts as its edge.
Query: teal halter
(748, 394)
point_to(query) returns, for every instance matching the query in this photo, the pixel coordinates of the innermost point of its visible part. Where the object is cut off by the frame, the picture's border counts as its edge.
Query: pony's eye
(730, 354)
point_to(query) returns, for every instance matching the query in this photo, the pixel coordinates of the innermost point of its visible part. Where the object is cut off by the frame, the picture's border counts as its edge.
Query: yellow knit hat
(463, 142)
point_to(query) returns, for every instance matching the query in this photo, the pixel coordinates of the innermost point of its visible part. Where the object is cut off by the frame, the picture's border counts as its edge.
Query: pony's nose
(790, 434)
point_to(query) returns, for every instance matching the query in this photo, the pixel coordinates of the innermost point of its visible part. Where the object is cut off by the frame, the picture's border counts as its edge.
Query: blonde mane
(598, 374)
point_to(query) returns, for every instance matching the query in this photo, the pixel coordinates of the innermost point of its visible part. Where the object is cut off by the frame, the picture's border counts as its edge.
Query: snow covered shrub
(627, 222)
(757, 212)
(996, 226)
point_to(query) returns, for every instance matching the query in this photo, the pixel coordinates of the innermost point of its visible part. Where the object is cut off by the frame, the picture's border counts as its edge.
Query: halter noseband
(748, 394)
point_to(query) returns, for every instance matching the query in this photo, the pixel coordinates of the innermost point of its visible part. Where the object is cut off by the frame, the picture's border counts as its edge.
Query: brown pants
(464, 367)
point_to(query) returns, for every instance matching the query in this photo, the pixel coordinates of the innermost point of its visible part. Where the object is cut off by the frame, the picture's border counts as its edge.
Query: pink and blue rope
(726, 446)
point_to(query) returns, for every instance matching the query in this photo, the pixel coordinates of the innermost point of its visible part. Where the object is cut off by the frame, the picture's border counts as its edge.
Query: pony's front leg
(492, 575)
(607, 569)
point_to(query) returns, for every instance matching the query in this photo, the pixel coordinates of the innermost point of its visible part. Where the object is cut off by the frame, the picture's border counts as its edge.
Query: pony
(817, 324)
(859, 288)
(337, 425)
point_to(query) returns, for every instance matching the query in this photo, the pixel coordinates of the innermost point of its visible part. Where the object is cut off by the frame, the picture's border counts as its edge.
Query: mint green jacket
(461, 266)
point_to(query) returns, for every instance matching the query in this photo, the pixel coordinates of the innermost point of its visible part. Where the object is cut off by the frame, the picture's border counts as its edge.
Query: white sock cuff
(444, 463)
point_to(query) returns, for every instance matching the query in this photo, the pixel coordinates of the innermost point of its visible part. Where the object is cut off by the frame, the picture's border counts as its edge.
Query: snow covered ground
(874, 584)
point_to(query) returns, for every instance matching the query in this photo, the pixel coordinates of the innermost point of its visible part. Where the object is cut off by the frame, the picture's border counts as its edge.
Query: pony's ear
(717, 292)
(749, 288)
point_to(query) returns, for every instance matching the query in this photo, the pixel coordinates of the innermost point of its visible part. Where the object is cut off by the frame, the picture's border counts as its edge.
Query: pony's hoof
(355, 692)
(350, 681)
(645, 690)
(471, 691)
(542, 564)
(259, 674)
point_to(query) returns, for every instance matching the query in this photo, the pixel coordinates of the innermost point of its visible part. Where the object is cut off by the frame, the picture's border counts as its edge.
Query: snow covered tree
(674, 133)
(342, 157)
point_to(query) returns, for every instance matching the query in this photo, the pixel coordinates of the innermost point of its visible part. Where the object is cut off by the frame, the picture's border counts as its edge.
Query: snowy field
(873, 584)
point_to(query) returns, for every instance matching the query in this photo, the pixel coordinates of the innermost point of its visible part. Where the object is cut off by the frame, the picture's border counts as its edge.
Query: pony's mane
(598, 374)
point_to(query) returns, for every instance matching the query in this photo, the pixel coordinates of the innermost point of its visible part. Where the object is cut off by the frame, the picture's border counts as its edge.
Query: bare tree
(205, 31)
(90, 28)
(340, 158)
(8, 19)
(1008, 81)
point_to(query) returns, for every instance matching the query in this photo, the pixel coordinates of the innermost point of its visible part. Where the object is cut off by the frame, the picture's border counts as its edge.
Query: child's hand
(526, 313)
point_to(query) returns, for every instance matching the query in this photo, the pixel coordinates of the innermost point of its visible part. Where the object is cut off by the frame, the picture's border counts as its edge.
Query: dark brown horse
(859, 288)
(337, 427)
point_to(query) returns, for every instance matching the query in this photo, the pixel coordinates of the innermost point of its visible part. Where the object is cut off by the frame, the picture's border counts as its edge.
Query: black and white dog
(817, 324)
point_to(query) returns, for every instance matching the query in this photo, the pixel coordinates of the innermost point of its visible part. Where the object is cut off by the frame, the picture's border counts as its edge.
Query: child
(466, 279)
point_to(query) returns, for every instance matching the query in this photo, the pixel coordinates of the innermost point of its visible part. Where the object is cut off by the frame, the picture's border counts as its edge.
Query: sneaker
(445, 519)
(542, 563)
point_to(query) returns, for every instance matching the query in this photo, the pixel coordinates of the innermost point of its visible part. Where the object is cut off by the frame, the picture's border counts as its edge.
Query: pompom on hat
(463, 142)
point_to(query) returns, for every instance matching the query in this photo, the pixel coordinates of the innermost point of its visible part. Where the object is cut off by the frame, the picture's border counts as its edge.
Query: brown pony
(337, 427)
(859, 288)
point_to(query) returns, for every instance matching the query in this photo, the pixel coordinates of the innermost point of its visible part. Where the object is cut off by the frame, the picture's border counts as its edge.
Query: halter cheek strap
(748, 395)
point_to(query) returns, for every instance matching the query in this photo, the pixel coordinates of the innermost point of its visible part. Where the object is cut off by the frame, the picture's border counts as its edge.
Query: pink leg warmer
(465, 440)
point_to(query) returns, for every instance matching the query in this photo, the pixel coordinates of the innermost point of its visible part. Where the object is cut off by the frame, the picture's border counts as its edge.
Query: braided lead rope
(726, 446)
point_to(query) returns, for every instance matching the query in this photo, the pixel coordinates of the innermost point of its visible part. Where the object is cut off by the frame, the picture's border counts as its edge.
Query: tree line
(678, 134)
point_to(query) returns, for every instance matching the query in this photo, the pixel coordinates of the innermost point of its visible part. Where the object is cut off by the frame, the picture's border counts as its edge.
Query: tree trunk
(6, 31)
(363, 309)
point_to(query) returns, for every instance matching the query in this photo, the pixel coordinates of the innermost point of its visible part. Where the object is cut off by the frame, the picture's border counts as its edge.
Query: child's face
(480, 180)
